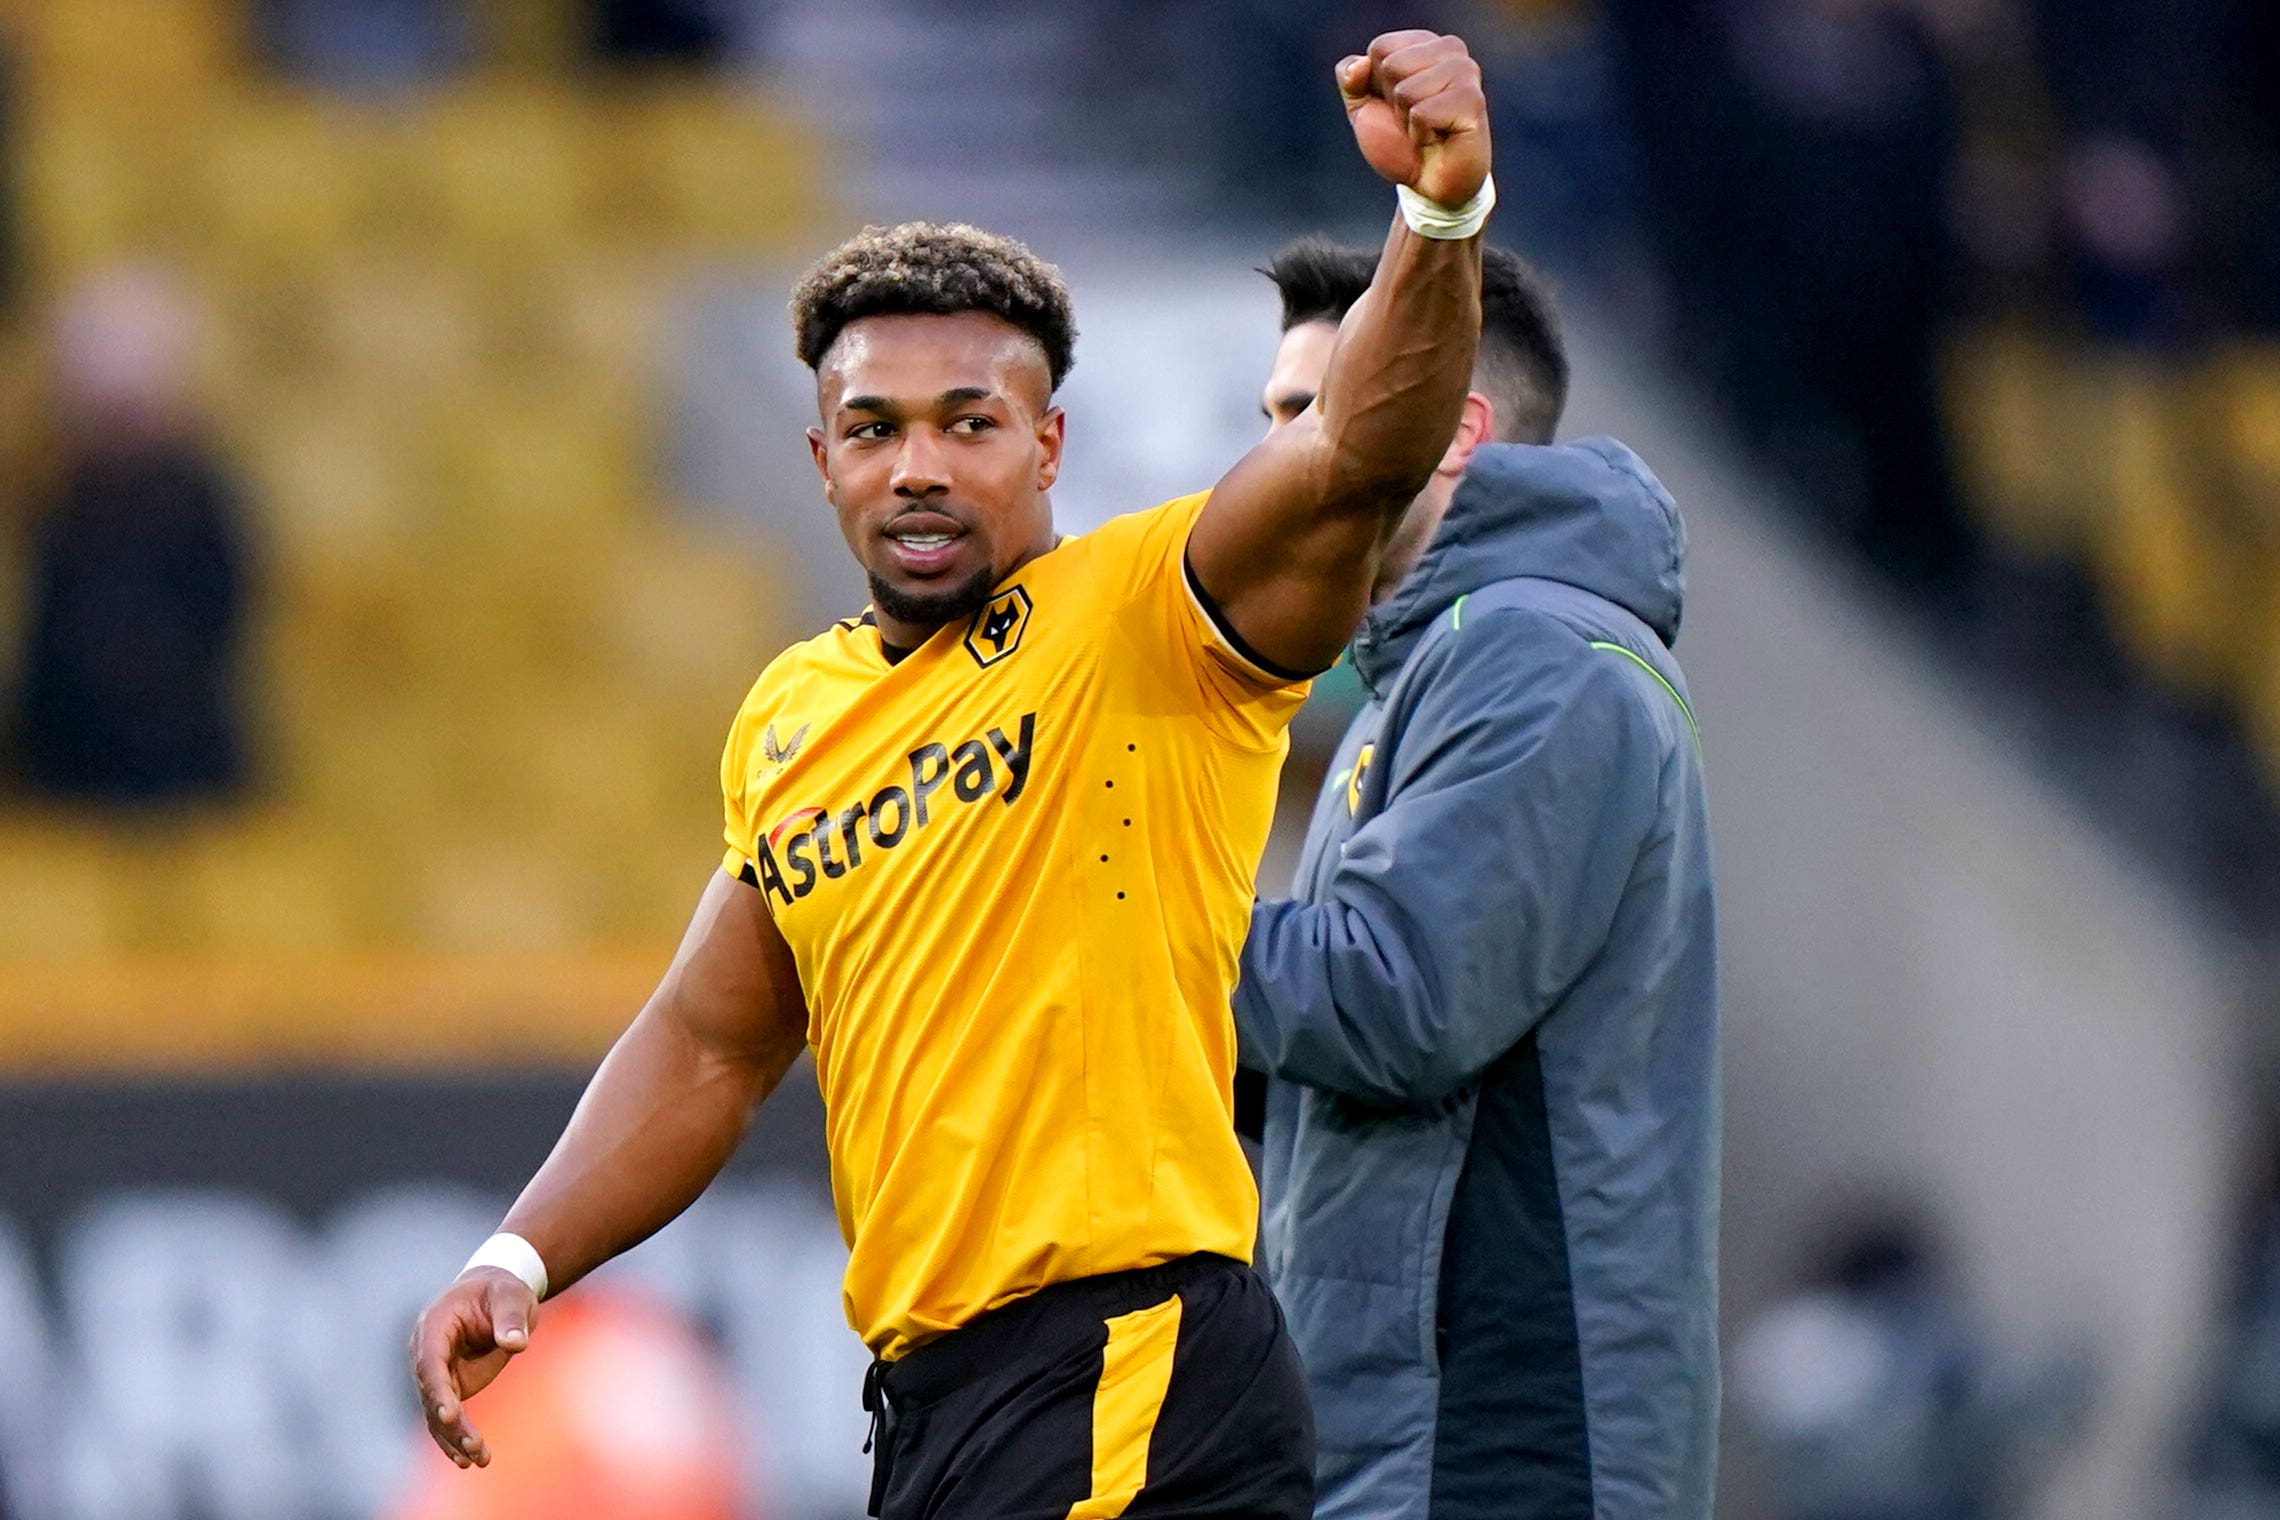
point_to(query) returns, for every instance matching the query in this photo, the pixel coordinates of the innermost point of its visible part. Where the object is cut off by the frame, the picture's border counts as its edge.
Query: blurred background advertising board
(206, 1288)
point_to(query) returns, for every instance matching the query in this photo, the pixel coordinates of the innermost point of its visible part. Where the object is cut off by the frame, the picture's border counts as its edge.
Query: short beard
(933, 609)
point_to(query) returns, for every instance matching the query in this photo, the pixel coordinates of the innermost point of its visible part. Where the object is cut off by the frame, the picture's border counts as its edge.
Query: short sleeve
(1141, 572)
(738, 831)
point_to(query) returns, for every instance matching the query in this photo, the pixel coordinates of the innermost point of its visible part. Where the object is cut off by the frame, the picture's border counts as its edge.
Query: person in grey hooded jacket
(1488, 1011)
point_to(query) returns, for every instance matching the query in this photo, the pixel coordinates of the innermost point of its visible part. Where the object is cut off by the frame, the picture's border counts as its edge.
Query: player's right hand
(1419, 113)
(462, 1342)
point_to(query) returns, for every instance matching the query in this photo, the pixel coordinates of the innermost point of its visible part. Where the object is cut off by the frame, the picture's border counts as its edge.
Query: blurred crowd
(1878, 1393)
(1875, 1390)
(1991, 287)
(132, 546)
(336, 386)
(1832, 185)
(1995, 285)
(138, 571)
(2232, 1466)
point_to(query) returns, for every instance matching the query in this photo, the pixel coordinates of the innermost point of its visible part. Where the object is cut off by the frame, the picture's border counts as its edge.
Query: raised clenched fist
(1419, 113)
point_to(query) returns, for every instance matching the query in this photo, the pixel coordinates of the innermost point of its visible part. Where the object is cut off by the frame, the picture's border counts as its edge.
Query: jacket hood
(1589, 513)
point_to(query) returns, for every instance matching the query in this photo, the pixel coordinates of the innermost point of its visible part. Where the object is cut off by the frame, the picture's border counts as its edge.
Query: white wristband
(514, 1254)
(1434, 220)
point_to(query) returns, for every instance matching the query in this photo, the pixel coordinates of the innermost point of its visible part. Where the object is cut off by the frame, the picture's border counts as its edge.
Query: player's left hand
(1419, 113)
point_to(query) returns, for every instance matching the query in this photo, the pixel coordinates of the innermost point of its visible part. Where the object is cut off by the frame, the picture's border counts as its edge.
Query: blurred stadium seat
(90, 185)
(2019, 407)
(505, 169)
(280, 186)
(62, 888)
(494, 664)
(723, 168)
(2159, 477)
(2157, 552)
(134, 53)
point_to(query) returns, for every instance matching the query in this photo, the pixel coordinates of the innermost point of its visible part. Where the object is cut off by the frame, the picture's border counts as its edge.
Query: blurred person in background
(1797, 157)
(31, 1460)
(28, 1423)
(2232, 1467)
(132, 683)
(1877, 1396)
(1490, 1150)
(963, 860)
(2133, 82)
(2169, 180)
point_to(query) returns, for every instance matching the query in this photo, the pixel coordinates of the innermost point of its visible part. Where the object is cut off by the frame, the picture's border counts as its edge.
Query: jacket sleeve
(1524, 787)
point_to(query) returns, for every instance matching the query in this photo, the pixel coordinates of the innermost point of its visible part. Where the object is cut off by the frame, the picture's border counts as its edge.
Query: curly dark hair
(934, 268)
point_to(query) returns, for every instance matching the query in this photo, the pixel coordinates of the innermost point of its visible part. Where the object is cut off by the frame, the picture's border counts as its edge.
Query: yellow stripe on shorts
(1135, 1373)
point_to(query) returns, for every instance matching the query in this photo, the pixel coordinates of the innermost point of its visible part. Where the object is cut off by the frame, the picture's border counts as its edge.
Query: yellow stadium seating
(684, 612)
(2021, 412)
(2248, 386)
(400, 329)
(493, 667)
(265, 340)
(93, 190)
(2245, 390)
(506, 892)
(282, 184)
(533, 36)
(591, 323)
(2165, 556)
(536, 473)
(267, 888)
(503, 171)
(147, 56)
(712, 167)
(64, 888)
(333, 486)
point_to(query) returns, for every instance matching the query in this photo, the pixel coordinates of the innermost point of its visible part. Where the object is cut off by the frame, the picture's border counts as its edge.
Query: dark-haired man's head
(936, 351)
(1519, 383)
(1522, 371)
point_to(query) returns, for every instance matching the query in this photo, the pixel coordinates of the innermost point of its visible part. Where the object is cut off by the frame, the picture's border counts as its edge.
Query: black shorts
(1172, 1390)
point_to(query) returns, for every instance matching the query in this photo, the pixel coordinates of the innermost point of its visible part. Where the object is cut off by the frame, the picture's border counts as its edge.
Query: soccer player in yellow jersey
(990, 850)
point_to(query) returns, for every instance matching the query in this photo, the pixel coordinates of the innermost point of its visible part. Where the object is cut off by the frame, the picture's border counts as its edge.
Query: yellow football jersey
(1015, 870)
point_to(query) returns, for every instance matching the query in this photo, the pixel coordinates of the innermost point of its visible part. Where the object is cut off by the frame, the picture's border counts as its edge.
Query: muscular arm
(658, 1121)
(673, 1097)
(1287, 547)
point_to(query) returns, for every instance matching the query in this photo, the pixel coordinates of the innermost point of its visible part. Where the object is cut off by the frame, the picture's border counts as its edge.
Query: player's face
(938, 443)
(1300, 363)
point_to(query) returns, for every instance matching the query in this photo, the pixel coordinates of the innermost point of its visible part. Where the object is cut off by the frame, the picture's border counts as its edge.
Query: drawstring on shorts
(880, 1436)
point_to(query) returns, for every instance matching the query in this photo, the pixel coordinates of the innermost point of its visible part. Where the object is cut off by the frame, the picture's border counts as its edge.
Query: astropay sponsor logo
(814, 845)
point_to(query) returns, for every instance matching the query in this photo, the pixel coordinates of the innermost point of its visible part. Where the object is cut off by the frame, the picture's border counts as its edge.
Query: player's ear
(1476, 425)
(822, 462)
(1052, 433)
